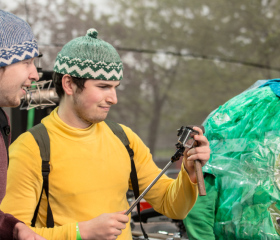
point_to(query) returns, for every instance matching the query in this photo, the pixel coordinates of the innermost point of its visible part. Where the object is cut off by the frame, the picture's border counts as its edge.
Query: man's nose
(33, 76)
(112, 97)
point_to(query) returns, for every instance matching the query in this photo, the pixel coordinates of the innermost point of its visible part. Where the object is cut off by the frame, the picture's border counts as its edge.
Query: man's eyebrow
(108, 84)
(26, 60)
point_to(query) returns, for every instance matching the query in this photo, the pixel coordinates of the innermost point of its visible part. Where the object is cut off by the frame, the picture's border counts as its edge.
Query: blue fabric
(17, 41)
(274, 84)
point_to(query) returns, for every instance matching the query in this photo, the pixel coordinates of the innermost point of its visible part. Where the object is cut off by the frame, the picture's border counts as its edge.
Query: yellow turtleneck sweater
(90, 170)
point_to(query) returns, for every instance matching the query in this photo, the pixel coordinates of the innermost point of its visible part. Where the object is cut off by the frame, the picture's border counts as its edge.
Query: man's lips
(25, 87)
(24, 90)
(107, 108)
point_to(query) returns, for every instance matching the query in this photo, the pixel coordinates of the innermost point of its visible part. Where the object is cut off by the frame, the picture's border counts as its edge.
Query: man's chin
(13, 104)
(101, 119)
(17, 102)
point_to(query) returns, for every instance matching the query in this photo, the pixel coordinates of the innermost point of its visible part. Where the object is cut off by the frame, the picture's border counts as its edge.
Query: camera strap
(119, 132)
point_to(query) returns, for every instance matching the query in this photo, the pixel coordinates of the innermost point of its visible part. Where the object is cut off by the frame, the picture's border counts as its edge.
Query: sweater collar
(67, 130)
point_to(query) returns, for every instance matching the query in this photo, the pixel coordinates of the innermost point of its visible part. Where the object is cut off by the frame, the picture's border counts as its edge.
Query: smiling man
(14, 79)
(89, 165)
(18, 48)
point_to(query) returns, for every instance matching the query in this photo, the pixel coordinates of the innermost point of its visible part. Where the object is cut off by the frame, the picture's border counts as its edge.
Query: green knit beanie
(89, 57)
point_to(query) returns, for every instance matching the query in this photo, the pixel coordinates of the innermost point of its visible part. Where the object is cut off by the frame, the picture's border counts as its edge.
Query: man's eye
(28, 61)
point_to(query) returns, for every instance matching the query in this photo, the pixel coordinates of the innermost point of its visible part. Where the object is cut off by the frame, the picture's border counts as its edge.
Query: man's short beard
(81, 115)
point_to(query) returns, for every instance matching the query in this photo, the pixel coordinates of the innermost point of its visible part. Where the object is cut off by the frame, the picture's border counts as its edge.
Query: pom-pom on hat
(89, 57)
(17, 41)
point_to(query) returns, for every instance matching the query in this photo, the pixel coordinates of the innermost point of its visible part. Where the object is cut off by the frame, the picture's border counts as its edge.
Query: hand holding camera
(195, 149)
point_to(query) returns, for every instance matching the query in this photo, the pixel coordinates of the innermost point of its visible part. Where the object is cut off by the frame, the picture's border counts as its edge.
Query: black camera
(186, 139)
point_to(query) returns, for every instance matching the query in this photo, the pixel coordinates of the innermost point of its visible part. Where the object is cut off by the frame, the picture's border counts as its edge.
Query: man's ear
(68, 85)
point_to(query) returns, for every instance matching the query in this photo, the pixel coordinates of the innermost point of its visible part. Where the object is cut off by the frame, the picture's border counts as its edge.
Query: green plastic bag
(244, 136)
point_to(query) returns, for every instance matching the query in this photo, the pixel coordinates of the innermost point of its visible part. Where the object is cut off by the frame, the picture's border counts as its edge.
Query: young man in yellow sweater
(89, 166)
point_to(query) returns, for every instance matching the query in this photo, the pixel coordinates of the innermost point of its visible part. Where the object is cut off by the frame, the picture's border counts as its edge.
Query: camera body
(186, 139)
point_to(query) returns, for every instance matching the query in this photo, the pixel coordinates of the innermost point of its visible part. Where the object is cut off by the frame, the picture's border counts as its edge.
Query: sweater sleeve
(173, 198)
(7, 224)
(24, 185)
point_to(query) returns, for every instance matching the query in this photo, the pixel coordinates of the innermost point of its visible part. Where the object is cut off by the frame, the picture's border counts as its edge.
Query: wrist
(16, 229)
(78, 234)
(191, 172)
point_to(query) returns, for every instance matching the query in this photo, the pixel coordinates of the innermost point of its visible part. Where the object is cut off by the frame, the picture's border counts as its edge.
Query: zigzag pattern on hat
(16, 53)
(88, 63)
(88, 72)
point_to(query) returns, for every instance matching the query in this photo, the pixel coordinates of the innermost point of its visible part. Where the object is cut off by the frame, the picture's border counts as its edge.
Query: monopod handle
(198, 171)
(200, 178)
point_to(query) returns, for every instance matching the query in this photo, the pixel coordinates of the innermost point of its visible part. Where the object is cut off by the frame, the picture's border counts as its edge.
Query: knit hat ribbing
(17, 41)
(89, 57)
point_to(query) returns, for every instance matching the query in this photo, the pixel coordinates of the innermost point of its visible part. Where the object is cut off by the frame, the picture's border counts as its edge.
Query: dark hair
(57, 80)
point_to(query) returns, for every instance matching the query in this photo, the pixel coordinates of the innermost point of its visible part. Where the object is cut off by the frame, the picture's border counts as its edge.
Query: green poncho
(242, 176)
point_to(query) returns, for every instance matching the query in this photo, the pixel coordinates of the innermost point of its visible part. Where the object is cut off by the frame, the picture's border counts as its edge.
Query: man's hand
(22, 232)
(200, 152)
(106, 226)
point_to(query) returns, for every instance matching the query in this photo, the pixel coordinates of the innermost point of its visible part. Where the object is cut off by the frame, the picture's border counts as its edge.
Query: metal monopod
(185, 140)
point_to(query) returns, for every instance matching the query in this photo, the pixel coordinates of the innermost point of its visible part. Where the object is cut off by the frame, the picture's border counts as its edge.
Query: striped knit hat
(89, 57)
(17, 41)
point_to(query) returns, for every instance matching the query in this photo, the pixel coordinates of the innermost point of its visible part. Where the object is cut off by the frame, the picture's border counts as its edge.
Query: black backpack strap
(5, 130)
(119, 132)
(41, 136)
